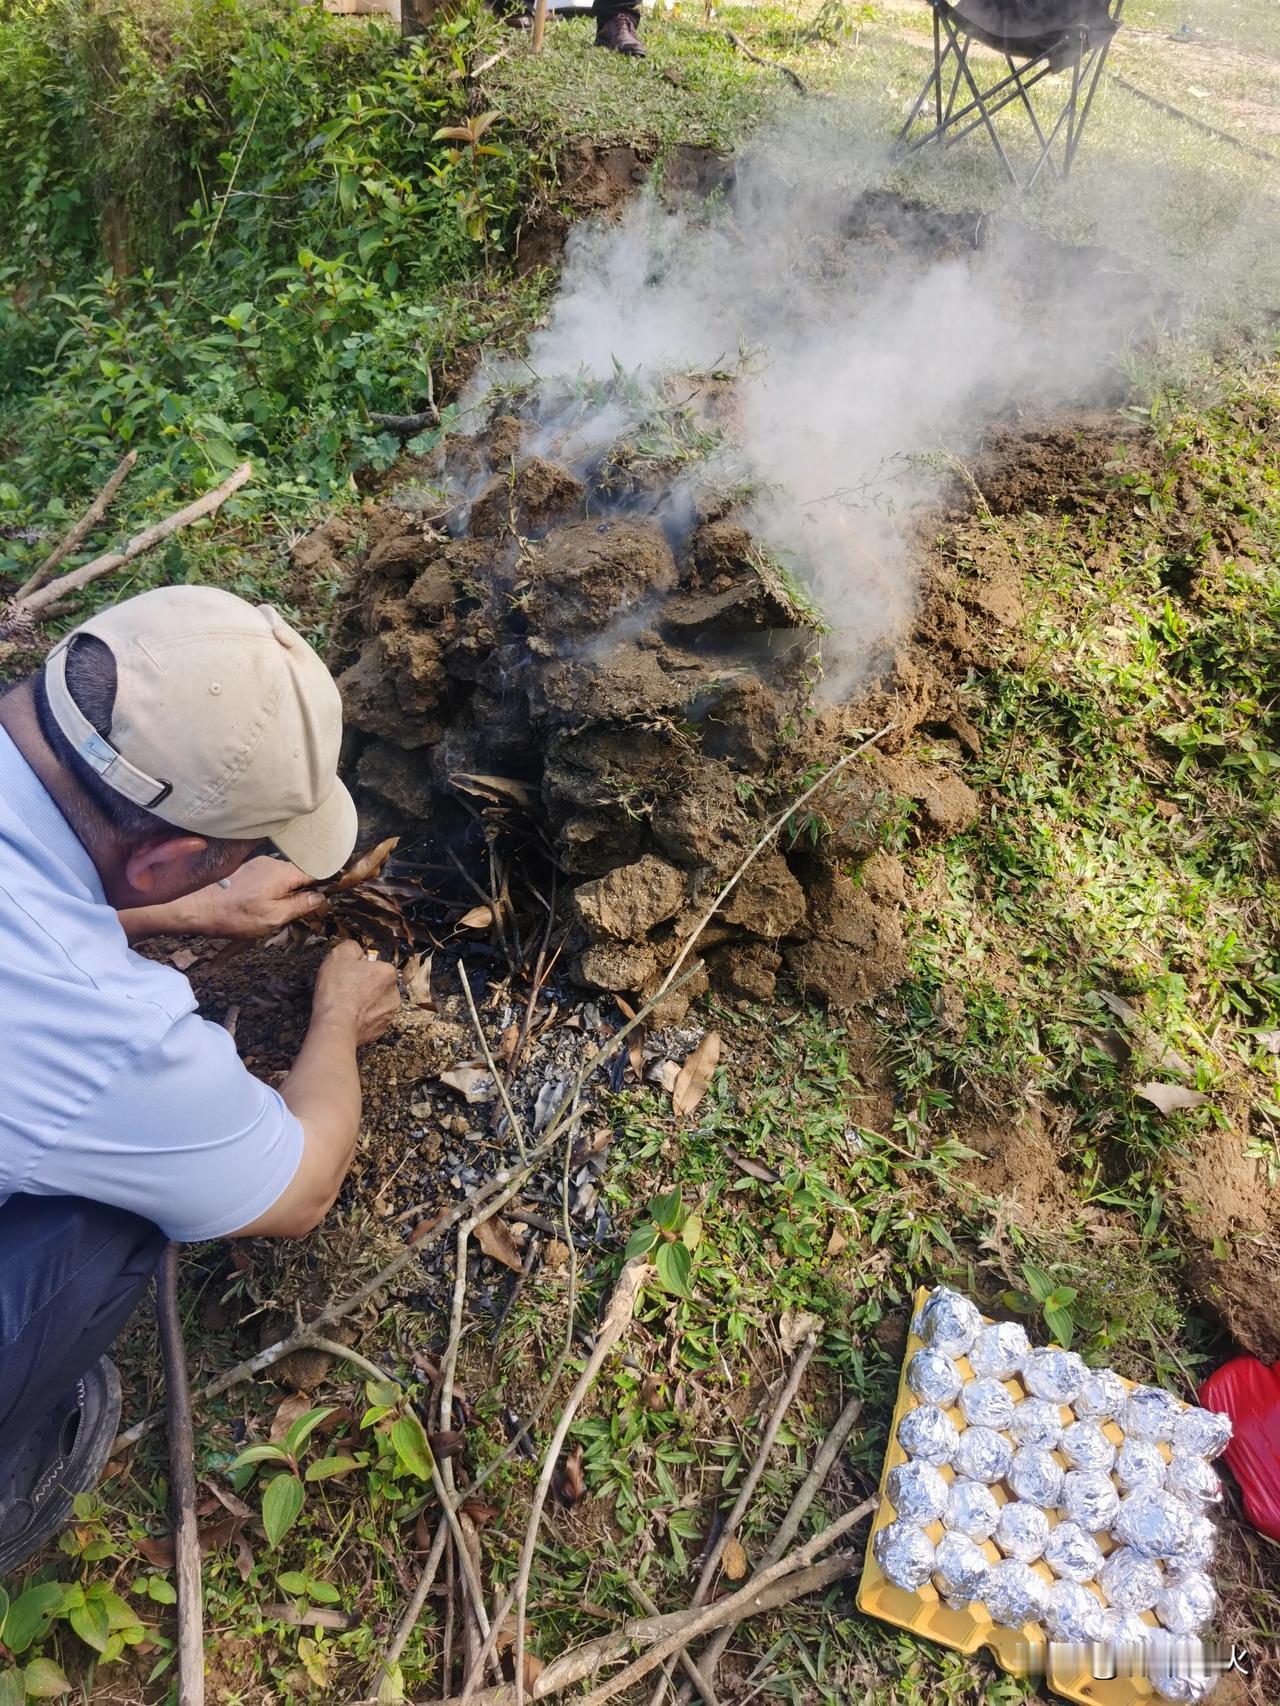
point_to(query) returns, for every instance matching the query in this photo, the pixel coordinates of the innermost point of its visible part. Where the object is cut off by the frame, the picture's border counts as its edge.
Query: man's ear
(161, 870)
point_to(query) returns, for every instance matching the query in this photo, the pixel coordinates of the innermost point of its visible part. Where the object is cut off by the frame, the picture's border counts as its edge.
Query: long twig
(182, 1481)
(75, 579)
(796, 83)
(747, 1489)
(517, 1129)
(73, 540)
(696, 1677)
(413, 1610)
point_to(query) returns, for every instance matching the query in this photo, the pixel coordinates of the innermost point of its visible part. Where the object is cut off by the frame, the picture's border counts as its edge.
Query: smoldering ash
(839, 352)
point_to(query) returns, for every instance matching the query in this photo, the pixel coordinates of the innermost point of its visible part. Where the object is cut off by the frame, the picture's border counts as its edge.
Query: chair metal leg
(1100, 59)
(1032, 115)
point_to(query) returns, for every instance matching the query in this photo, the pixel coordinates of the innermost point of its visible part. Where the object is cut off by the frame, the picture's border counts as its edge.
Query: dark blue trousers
(71, 1274)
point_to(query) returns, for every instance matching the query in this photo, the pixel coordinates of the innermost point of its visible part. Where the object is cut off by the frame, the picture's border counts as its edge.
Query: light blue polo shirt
(114, 1088)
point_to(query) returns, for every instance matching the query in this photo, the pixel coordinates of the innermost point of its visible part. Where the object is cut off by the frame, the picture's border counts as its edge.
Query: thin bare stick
(517, 1128)
(344, 1353)
(413, 1610)
(182, 1479)
(73, 540)
(539, 29)
(747, 1489)
(696, 1679)
(710, 1656)
(75, 579)
(770, 64)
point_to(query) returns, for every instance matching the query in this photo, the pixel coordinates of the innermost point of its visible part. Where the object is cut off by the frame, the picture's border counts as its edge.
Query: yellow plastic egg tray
(924, 1612)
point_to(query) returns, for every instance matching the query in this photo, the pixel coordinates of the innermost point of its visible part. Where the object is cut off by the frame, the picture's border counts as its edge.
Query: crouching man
(164, 743)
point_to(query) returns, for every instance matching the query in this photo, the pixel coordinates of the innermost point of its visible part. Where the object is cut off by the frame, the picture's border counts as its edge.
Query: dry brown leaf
(1269, 1040)
(479, 918)
(837, 1243)
(416, 981)
(425, 1226)
(447, 1443)
(557, 1254)
(499, 788)
(507, 1044)
(480, 1513)
(570, 1483)
(695, 1076)
(733, 1560)
(494, 1238)
(754, 1169)
(158, 1549)
(181, 958)
(297, 1404)
(665, 1073)
(363, 868)
(229, 1501)
(533, 1668)
(1170, 1098)
(474, 1082)
(653, 1392)
(795, 1326)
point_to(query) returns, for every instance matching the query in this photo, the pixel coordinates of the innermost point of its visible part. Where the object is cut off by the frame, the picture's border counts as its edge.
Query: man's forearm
(322, 1091)
(175, 918)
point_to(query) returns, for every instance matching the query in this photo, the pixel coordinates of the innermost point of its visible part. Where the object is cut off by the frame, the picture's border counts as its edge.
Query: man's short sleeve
(183, 1135)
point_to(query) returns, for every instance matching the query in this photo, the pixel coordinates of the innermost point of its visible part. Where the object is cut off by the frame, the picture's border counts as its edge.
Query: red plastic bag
(1249, 1392)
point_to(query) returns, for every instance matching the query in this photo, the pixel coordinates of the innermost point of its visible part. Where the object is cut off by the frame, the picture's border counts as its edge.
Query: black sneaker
(61, 1458)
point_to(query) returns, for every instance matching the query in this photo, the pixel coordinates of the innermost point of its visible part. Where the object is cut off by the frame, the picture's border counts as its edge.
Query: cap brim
(321, 843)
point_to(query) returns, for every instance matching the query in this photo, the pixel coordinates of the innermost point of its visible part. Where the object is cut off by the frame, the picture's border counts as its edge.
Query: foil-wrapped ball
(1176, 1674)
(1073, 1614)
(1053, 1374)
(905, 1553)
(983, 1455)
(1155, 1523)
(917, 1492)
(1085, 1446)
(960, 1570)
(1089, 1498)
(999, 1350)
(1198, 1552)
(986, 1404)
(1072, 1553)
(1022, 1531)
(1201, 1433)
(971, 1509)
(929, 1434)
(1036, 1475)
(1139, 1463)
(1193, 1479)
(1014, 1594)
(1102, 1395)
(1151, 1413)
(948, 1322)
(1036, 1421)
(1130, 1581)
(1127, 1634)
(1187, 1604)
(934, 1378)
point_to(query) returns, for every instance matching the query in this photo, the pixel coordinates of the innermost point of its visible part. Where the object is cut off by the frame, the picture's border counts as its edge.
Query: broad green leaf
(409, 1439)
(281, 1507)
(12, 1689)
(691, 1232)
(1037, 1280)
(116, 1644)
(162, 1591)
(666, 1210)
(368, 244)
(1060, 1297)
(31, 1614)
(327, 1468)
(384, 1392)
(304, 1427)
(641, 1240)
(292, 1581)
(391, 1687)
(120, 1614)
(261, 1454)
(674, 1266)
(44, 1680)
(90, 1622)
(221, 453)
(324, 1593)
(1061, 1326)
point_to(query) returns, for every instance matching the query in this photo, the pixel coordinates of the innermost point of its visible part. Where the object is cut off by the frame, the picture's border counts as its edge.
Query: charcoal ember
(1072, 1613)
(1102, 1395)
(1201, 1433)
(1187, 1604)
(1198, 1552)
(1193, 1479)
(1150, 1413)
(960, 1571)
(1036, 1475)
(972, 1509)
(1089, 1498)
(999, 1351)
(1053, 1374)
(1085, 1446)
(934, 1378)
(1022, 1531)
(917, 1492)
(905, 1554)
(947, 1322)
(929, 1434)
(1072, 1553)
(1154, 1522)
(1139, 1463)
(1130, 1581)
(1036, 1421)
(982, 1454)
(986, 1403)
(1014, 1594)
(1127, 1634)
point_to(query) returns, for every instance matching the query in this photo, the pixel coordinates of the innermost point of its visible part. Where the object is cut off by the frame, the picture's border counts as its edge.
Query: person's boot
(619, 34)
(61, 1458)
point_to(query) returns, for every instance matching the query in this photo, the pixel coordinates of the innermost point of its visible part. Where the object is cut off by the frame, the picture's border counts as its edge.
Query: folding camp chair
(1036, 38)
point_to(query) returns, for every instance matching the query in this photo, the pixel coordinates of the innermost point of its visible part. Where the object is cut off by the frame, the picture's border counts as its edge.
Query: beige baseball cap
(226, 723)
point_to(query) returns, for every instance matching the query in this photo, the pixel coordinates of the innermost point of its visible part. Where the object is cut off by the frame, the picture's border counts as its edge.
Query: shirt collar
(34, 807)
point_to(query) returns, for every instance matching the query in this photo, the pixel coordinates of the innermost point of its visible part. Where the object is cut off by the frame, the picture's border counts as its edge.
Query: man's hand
(358, 990)
(260, 898)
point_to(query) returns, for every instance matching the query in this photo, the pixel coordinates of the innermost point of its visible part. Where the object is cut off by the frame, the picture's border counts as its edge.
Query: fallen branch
(413, 1611)
(76, 579)
(696, 1677)
(74, 539)
(770, 64)
(405, 426)
(182, 1482)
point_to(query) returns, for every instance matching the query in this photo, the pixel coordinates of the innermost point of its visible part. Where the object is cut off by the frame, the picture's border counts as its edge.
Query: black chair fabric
(1026, 28)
